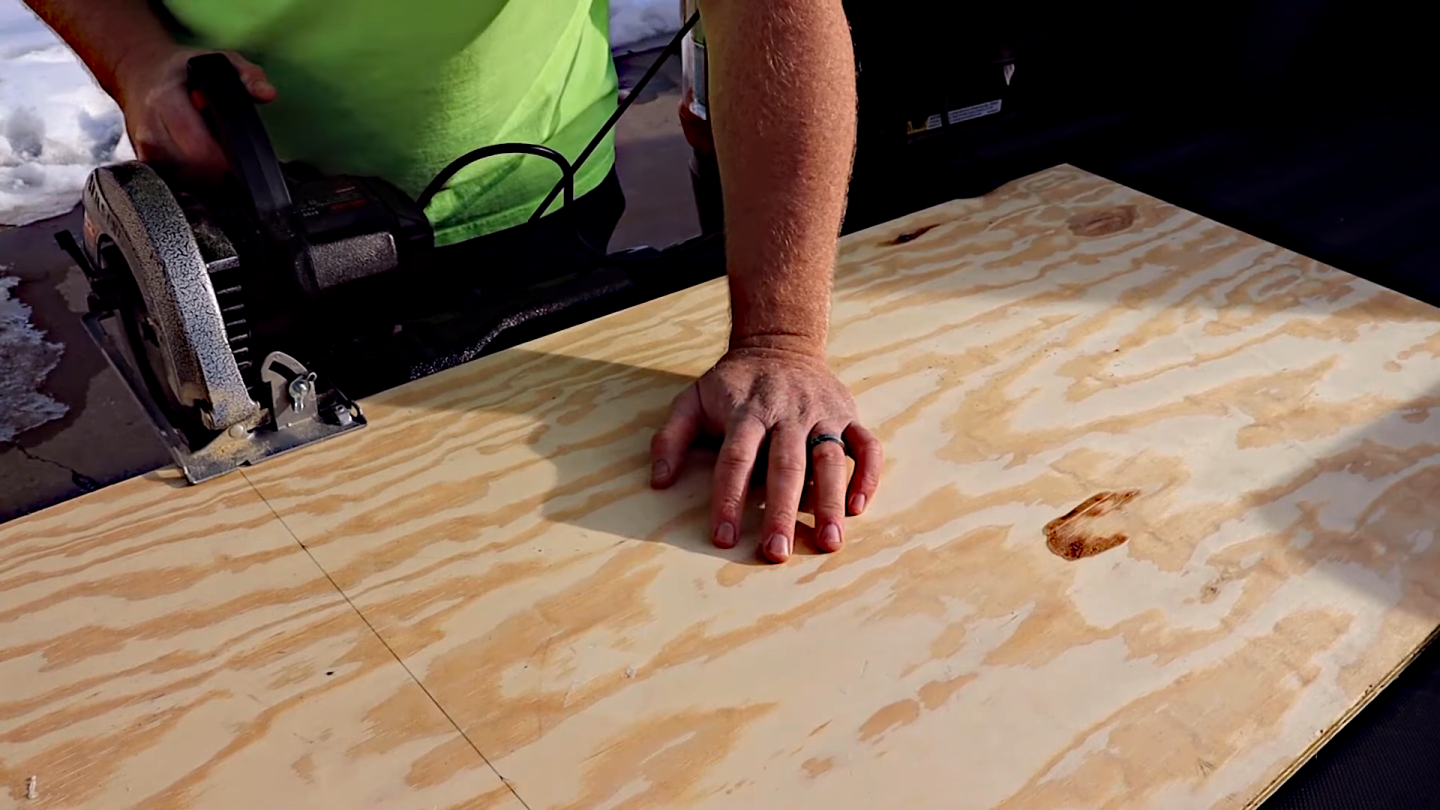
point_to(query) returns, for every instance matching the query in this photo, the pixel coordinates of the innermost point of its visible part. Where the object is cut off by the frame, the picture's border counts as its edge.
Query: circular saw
(204, 299)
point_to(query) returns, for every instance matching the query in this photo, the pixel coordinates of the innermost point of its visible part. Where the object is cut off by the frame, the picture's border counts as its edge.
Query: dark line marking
(382, 640)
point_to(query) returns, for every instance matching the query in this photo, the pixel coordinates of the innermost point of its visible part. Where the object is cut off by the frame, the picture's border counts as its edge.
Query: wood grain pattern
(1262, 423)
(164, 647)
(1019, 354)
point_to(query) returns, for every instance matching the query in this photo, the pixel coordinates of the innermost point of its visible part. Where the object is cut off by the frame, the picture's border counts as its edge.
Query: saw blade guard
(129, 206)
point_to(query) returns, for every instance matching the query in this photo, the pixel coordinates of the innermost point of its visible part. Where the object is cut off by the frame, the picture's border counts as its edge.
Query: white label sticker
(696, 69)
(977, 111)
(702, 79)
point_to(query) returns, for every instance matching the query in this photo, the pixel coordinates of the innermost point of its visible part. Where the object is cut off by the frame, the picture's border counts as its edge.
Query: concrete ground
(105, 437)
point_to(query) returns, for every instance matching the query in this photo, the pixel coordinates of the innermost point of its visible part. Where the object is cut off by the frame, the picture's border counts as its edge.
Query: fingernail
(778, 547)
(830, 537)
(659, 470)
(725, 535)
(264, 87)
(857, 504)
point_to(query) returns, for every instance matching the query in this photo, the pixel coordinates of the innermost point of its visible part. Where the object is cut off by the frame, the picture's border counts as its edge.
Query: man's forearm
(105, 34)
(782, 102)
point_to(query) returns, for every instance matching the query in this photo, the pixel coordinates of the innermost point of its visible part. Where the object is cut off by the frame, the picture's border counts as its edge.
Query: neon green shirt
(399, 88)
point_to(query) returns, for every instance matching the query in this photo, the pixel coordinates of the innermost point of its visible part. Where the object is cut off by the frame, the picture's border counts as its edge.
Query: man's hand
(134, 57)
(782, 105)
(787, 398)
(164, 125)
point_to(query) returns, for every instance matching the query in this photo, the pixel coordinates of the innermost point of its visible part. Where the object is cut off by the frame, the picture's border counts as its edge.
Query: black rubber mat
(1385, 759)
(1362, 195)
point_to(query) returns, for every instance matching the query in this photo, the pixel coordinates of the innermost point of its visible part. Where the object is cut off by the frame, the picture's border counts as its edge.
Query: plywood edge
(1350, 714)
(904, 219)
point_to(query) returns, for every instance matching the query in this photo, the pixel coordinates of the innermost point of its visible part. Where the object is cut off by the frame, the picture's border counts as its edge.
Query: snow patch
(636, 23)
(56, 124)
(28, 360)
(25, 130)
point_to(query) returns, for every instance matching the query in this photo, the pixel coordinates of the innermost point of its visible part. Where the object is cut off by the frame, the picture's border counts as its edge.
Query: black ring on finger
(820, 438)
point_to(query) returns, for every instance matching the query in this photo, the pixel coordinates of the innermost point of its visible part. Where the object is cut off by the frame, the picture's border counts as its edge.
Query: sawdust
(26, 359)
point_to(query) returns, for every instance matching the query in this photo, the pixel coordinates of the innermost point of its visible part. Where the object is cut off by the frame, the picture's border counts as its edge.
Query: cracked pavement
(104, 437)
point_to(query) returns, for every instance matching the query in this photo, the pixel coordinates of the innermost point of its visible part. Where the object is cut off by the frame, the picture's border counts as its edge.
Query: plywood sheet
(1255, 427)
(1242, 441)
(175, 647)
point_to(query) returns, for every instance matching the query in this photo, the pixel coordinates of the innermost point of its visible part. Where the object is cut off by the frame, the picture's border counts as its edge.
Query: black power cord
(566, 185)
(670, 49)
(567, 172)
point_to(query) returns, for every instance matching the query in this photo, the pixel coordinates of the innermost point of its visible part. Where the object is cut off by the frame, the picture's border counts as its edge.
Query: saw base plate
(244, 444)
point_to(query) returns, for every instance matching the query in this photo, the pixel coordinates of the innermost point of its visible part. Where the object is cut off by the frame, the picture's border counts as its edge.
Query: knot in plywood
(1103, 222)
(1082, 532)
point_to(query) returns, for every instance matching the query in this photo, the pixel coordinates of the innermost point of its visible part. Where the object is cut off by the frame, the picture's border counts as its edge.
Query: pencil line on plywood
(453, 724)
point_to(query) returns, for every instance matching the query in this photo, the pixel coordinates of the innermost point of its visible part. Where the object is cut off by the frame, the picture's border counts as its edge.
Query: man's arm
(782, 110)
(138, 62)
(782, 100)
(108, 35)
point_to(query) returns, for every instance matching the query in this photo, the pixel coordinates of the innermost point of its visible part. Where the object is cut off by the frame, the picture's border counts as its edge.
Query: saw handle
(220, 95)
